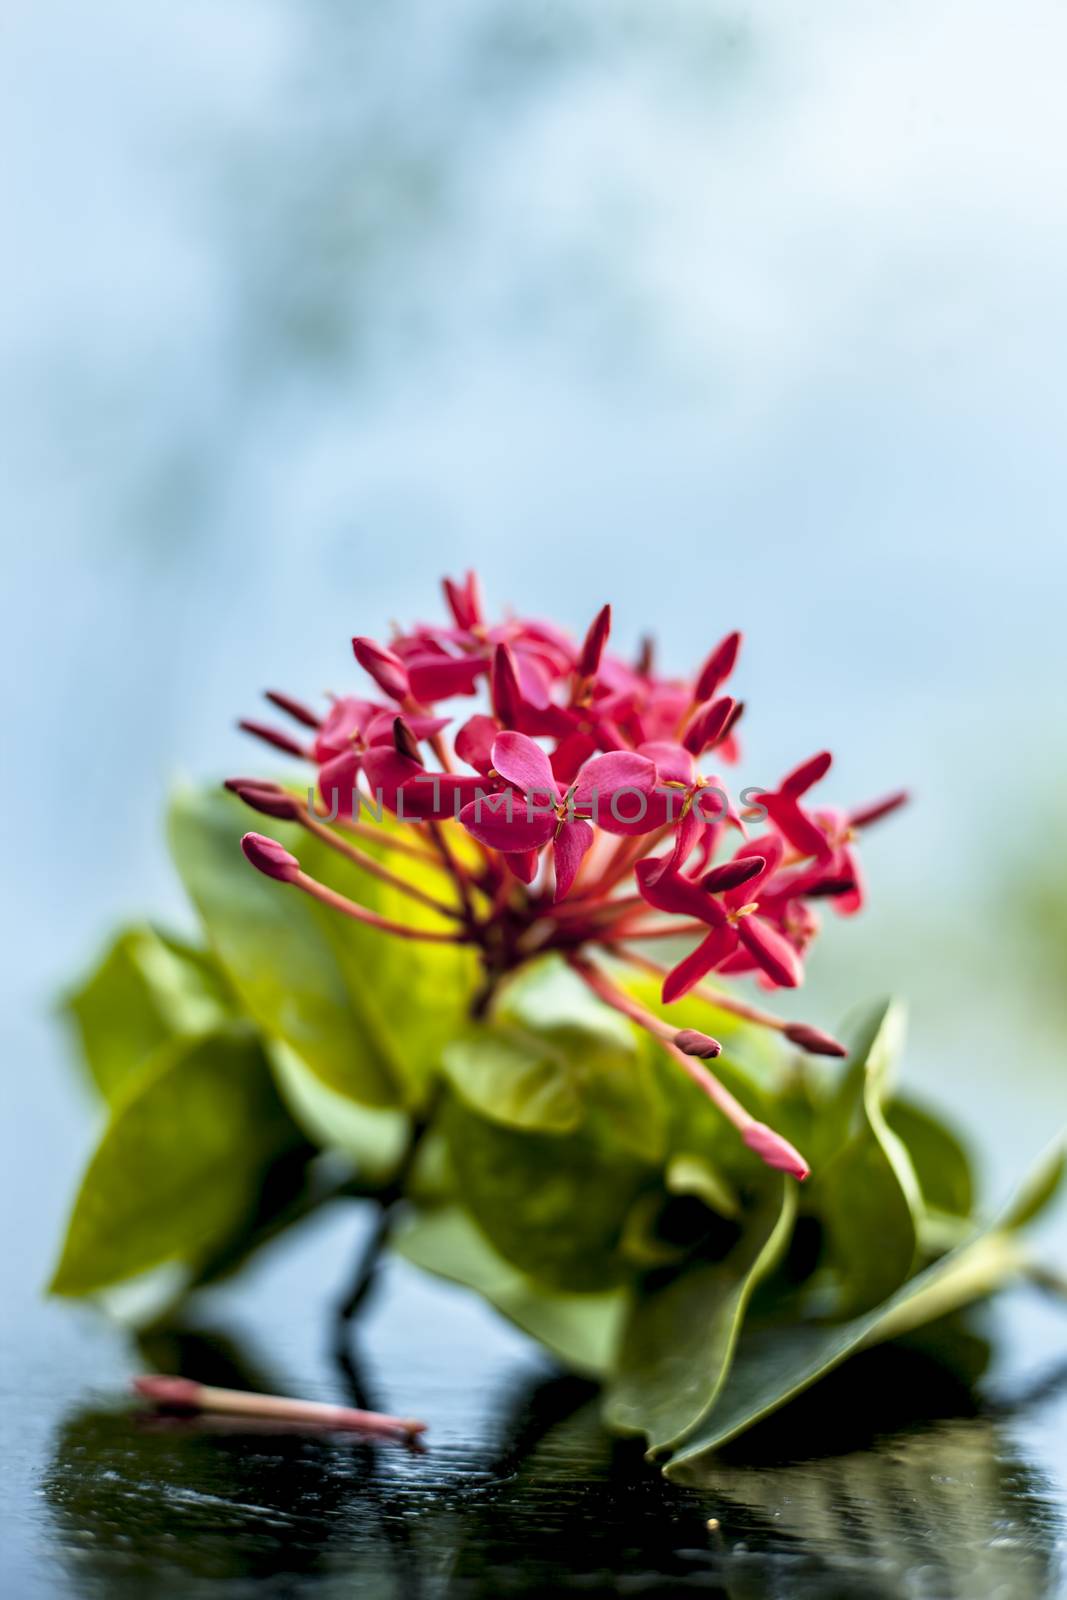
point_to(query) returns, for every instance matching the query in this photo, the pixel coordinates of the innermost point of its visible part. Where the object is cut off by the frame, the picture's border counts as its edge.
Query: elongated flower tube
(574, 809)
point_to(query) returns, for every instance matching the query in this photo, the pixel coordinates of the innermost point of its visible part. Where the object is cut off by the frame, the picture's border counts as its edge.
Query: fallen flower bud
(183, 1394)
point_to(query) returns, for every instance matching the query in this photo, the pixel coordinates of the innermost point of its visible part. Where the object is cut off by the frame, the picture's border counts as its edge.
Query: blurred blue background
(736, 315)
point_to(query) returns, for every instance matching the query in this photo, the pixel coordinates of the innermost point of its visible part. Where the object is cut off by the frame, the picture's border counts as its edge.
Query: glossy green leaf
(868, 1193)
(368, 1012)
(680, 1338)
(582, 1330)
(775, 1363)
(147, 989)
(374, 1137)
(697, 1175)
(1040, 1187)
(181, 1164)
(514, 1076)
(874, 1035)
(552, 1205)
(608, 1068)
(941, 1164)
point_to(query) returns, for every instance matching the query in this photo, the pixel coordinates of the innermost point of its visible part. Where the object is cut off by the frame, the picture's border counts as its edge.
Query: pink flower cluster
(591, 787)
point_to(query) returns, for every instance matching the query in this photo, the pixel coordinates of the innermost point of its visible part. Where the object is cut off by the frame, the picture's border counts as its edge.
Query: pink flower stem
(768, 1145)
(813, 1040)
(627, 853)
(358, 913)
(373, 867)
(457, 871)
(605, 990)
(681, 930)
(718, 997)
(379, 835)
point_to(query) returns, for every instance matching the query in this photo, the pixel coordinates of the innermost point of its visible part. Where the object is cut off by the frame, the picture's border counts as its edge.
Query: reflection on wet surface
(897, 1479)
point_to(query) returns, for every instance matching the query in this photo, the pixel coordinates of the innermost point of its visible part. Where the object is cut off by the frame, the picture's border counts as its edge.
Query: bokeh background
(734, 314)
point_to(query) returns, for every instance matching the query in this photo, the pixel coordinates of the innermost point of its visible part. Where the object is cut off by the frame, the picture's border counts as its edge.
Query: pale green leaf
(181, 1163)
(582, 1330)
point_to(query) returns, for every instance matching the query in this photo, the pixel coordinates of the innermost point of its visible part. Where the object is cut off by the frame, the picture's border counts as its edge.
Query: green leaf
(181, 1163)
(147, 989)
(368, 1012)
(610, 1072)
(875, 1037)
(375, 1137)
(775, 1363)
(553, 1205)
(696, 1175)
(583, 1330)
(680, 1339)
(514, 1077)
(1040, 1187)
(941, 1164)
(868, 1193)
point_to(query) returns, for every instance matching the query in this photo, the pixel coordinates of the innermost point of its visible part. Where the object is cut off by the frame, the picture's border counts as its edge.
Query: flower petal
(668, 891)
(337, 781)
(771, 951)
(704, 959)
(523, 763)
(387, 773)
(523, 864)
(796, 826)
(616, 789)
(434, 677)
(500, 821)
(569, 755)
(474, 742)
(674, 764)
(804, 777)
(571, 843)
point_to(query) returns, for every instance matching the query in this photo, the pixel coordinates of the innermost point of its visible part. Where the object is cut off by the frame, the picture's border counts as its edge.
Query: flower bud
(404, 741)
(718, 667)
(387, 669)
(695, 1043)
(268, 798)
(813, 1040)
(595, 640)
(733, 873)
(775, 1151)
(878, 809)
(711, 724)
(274, 736)
(270, 858)
(504, 684)
(295, 708)
(464, 601)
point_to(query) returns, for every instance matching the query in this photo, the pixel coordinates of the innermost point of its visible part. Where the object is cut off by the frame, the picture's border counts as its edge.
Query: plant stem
(388, 1200)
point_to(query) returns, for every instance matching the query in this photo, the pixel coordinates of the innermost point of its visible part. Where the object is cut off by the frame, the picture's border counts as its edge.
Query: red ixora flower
(569, 814)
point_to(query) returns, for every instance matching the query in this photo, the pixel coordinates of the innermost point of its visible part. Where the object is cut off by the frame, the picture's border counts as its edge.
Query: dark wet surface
(905, 1477)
